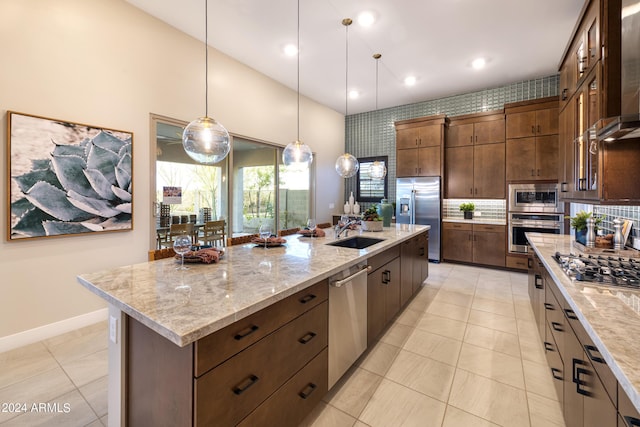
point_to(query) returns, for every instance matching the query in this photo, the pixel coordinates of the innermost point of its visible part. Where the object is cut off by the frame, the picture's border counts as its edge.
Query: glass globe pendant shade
(347, 165)
(297, 153)
(206, 141)
(378, 170)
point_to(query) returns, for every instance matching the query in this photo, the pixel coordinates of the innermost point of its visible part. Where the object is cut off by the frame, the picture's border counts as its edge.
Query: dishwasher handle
(339, 283)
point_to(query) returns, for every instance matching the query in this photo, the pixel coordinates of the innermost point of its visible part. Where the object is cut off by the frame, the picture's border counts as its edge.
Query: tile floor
(465, 352)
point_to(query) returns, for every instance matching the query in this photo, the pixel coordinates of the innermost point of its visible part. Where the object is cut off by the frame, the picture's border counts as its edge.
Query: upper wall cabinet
(419, 146)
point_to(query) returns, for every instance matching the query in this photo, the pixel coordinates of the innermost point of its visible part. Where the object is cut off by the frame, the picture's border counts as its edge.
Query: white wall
(105, 63)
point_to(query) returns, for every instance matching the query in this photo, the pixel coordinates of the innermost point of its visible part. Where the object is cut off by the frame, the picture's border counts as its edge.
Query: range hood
(627, 125)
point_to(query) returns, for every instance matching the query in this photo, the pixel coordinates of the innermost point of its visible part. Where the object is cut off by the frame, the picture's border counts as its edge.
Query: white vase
(351, 200)
(356, 208)
(347, 208)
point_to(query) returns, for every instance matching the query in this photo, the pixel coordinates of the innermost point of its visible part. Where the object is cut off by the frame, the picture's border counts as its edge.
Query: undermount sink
(357, 242)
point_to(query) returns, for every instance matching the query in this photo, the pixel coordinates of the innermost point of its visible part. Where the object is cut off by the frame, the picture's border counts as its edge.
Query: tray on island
(626, 252)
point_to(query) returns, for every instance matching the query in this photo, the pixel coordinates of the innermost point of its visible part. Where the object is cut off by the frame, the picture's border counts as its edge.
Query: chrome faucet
(339, 229)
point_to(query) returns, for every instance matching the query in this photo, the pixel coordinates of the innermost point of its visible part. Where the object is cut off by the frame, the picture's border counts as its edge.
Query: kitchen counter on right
(610, 315)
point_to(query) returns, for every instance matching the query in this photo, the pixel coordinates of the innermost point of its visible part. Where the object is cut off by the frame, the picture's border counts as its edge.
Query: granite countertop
(477, 220)
(611, 316)
(246, 280)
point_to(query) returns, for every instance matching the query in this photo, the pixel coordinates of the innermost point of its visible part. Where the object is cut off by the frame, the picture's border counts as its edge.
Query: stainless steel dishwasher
(347, 319)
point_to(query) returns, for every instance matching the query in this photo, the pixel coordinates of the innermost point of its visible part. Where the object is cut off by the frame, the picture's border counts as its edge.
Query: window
(370, 189)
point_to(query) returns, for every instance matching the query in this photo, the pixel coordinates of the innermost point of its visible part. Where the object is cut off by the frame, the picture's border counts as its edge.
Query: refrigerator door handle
(412, 220)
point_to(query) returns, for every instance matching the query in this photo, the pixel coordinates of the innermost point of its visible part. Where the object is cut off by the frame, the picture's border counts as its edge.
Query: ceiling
(434, 40)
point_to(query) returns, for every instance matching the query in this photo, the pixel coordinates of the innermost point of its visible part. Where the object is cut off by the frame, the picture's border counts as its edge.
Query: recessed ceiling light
(410, 80)
(354, 94)
(366, 19)
(478, 63)
(291, 49)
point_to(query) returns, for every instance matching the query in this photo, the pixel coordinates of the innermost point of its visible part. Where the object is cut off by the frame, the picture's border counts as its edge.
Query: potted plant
(579, 224)
(371, 221)
(468, 209)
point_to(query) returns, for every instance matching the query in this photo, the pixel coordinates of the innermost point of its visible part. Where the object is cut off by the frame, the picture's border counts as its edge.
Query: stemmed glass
(311, 225)
(181, 246)
(265, 233)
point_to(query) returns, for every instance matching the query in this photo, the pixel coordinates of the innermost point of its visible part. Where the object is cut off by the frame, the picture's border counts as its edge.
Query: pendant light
(378, 169)
(346, 164)
(297, 153)
(204, 139)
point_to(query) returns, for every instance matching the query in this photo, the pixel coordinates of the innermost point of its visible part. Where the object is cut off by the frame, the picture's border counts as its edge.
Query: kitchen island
(604, 322)
(179, 314)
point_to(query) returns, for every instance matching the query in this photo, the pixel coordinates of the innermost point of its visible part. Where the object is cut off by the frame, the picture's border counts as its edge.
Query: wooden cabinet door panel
(489, 171)
(521, 125)
(429, 161)
(407, 138)
(375, 305)
(521, 158)
(547, 157)
(547, 121)
(392, 289)
(459, 172)
(489, 132)
(407, 261)
(460, 135)
(489, 247)
(457, 245)
(430, 136)
(572, 359)
(407, 162)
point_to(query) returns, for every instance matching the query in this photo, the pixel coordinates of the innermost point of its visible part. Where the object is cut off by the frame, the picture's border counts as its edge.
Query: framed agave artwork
(67, 178)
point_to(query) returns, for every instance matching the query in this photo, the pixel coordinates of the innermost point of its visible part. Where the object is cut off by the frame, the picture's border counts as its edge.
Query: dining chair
(324, 225)
(288, 231)
(176, 230)
(213, 232)
(161, 253)
(240, 240)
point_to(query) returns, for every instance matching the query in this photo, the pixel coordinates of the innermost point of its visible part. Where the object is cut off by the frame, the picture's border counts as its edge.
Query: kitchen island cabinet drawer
(246, 380)
(555, 317)
(214, 349)
(296, 399)
(377, 261)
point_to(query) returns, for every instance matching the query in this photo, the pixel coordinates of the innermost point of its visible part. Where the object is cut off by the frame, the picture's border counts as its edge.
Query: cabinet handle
(532, 172)
(421, 252)
(386, 277)
(549, 306)
(563, 187)
(548, 346)
(564, 94)
(631, 421)
(538, 172)
(538, 282)
(533, 129)
(590, 352)
(305, 299)
(529, 263)
(419, 170)
(570, 314)
(308, 337)
(244, 385)
(471, 191)
(476, 138)
(576, 377)
(539, 129)
(246, 332)
(557, 326)
(556, 373)
(306, 392)
(471, 139)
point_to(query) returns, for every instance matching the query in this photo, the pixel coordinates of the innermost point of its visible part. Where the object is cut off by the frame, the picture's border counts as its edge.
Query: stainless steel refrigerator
(418, 202)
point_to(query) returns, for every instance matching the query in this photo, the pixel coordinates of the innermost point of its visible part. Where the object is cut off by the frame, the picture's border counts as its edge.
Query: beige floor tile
(459, 284)
(397, 334)
(42, 387)
(523, 309)
(538, 379)
(493, 340)
(409, 317)
(455, 417)
(544, 412)
(488, 399)
(352, 394)
(79, 343)
(492, 305)
(442, 326)
(493, 321)
(532, 350)
(105, 420)
(502, 295)
(499, 284)
(491, 364)
(95, 393)
(25, 362)
(360, 424)
(325, 415)
(379, 358)
(395, 405)
(453, 297)
(422, 374)
(88, 368)
(528, 329)
(450, 311)
(434, 346)
(78, 413)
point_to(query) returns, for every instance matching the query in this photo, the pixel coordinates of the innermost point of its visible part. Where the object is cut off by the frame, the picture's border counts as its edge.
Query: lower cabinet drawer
(296, 399)
(555, 363)
(228, 393)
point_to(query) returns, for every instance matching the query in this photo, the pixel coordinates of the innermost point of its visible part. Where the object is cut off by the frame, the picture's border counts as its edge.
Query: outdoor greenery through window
(370, 189)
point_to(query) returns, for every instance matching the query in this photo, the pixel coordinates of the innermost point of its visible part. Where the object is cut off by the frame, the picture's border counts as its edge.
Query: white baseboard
(51, 330)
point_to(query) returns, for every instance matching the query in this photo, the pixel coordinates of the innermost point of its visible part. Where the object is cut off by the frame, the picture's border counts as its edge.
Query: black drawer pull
(590, 350)
(557, 326)
(548, 346)
(570, 314)
(549, 306)
(529, 262)
(386, 277)
(244, 385)
(556, 373)
(576, 377)
(538, 282)
(246, 332)
(305, 299)
(631, 421)
(308, 337)
(307, 390)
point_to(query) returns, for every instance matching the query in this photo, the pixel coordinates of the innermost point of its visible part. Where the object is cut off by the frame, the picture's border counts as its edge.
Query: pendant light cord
(298, 75)
(206, 56)
(377, 57)
(346, 22)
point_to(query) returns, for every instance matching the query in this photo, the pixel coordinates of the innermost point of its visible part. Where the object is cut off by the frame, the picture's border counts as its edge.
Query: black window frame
(376, 199)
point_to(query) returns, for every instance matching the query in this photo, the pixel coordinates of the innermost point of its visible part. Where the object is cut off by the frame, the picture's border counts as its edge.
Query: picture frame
(66, 178)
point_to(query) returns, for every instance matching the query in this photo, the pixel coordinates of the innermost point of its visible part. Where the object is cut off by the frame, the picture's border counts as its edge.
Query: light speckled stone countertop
(246, 280)
(611, 316)
(476, 220)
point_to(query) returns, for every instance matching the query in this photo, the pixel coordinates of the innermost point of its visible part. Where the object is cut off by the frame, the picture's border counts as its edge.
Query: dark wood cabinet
(457, 242)
(414, 265)
(474, 243)
(476, 129)
(419, 146)
(383, 293)
(459, 172)
(628, 415)
(536, 287)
